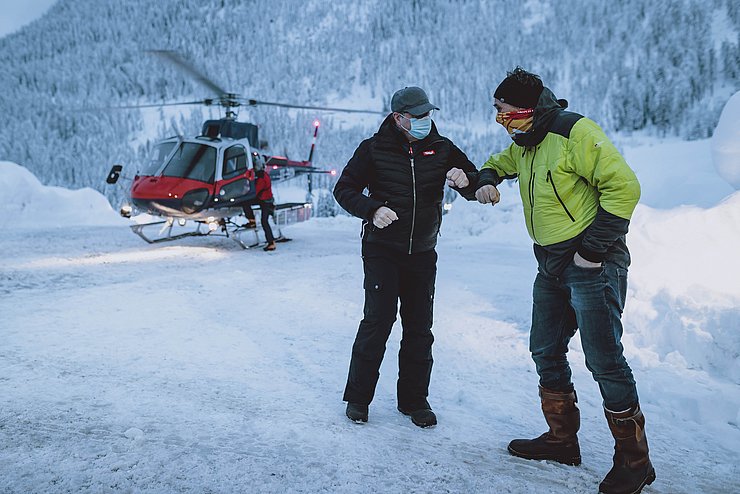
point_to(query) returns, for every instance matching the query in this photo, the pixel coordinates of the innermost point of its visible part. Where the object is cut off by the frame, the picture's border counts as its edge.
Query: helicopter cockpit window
(192, 161)
(235, 161)
(157, 157)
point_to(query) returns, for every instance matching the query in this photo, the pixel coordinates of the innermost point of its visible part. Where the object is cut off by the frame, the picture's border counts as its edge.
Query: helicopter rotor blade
(206, 102)
(181, 64)
(156, 105)
(253, 102)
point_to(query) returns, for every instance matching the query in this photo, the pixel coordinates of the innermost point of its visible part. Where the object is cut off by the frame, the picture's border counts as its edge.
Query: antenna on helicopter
(313, 143)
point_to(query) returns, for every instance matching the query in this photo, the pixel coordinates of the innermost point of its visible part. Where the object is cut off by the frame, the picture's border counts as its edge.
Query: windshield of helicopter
(192, 161)
(156, 157)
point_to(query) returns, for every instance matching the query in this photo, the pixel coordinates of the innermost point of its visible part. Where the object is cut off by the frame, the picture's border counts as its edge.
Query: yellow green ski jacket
(577, 191)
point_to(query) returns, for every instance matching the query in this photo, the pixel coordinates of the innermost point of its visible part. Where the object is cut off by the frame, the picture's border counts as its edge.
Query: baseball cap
(412, 100)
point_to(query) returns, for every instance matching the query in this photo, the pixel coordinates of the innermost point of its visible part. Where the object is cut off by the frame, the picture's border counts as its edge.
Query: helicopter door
(235, 186)
(235, 162)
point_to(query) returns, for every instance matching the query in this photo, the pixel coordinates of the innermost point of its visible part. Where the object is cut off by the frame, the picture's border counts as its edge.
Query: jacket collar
(547, 109)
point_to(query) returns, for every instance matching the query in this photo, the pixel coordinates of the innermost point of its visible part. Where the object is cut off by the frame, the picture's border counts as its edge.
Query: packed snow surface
(200, 367)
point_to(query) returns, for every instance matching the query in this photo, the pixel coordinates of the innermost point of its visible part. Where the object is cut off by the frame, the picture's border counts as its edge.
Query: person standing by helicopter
(266, 201)
(404, 166)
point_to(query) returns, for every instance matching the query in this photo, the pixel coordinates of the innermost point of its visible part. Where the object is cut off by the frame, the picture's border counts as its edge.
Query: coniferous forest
(663, 67)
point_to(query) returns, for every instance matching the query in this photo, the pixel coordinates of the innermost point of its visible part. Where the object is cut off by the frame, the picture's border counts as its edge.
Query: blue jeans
(592, 300)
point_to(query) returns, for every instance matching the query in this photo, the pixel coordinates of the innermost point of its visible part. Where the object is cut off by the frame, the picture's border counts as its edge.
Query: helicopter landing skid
(236, 236)
(167, 230)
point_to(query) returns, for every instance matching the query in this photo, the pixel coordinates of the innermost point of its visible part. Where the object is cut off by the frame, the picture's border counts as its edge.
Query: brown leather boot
(632, 469)
(560, 443)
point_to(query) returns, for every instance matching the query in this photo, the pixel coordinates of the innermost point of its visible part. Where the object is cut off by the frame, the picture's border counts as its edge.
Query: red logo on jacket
(428, 153)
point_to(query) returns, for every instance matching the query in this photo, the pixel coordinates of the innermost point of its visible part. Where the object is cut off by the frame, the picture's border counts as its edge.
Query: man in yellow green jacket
(578, 195)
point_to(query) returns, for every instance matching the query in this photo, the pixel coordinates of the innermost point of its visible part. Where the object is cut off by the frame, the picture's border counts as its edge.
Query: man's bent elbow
(633, 190)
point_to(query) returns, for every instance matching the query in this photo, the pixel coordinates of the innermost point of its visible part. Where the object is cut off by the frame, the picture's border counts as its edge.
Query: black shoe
(357, 413)
(424, 417)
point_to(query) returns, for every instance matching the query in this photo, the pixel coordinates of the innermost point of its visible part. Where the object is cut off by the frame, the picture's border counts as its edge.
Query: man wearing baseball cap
(578, 195)
(404, 167)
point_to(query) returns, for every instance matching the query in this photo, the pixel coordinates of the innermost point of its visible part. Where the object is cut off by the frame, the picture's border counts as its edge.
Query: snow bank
(684, 301)
(676, 173)
(726, 142)
(27, 203)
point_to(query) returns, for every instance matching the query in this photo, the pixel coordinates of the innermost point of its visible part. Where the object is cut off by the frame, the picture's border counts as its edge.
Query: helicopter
(207, 180)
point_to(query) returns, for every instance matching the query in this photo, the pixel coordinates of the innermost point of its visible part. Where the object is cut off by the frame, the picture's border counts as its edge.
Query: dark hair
(520, 88)
(526, 79)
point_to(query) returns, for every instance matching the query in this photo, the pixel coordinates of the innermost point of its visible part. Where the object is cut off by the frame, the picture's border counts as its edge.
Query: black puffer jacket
(408, 178)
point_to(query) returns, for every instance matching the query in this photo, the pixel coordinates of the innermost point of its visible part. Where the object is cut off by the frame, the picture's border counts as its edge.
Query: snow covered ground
(200, 367)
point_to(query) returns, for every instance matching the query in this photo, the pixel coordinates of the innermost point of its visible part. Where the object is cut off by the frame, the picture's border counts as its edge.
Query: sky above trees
(17, 14)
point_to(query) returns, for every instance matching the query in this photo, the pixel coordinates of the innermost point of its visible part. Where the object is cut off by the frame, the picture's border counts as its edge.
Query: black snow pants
(391, 275)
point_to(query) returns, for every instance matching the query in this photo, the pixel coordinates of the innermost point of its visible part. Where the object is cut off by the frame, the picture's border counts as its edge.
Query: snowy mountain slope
(667, 67)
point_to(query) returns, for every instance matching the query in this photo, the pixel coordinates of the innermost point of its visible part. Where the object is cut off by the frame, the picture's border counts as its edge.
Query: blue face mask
(420, 127)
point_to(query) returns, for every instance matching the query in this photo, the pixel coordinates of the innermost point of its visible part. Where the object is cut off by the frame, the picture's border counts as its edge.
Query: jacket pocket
(427, 223)
(555, 190)
(372, 284)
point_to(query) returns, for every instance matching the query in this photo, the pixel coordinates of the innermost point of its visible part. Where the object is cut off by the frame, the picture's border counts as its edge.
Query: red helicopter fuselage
(196, 178)
(203, 178)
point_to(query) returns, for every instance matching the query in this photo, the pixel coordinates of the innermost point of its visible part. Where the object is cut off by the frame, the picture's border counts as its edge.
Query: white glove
(583, 263)
(488, 194)
(457, 178)
(384, 216)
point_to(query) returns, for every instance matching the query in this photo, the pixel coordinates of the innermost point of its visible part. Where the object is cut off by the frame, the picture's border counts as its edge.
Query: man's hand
(384, 216)
(457, 178)
(488, 194)
(583, 263)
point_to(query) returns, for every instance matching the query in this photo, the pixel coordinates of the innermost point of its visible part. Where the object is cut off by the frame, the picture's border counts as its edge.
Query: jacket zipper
(413, 183)
(552, 182)
(413, 210)
(531, 194)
